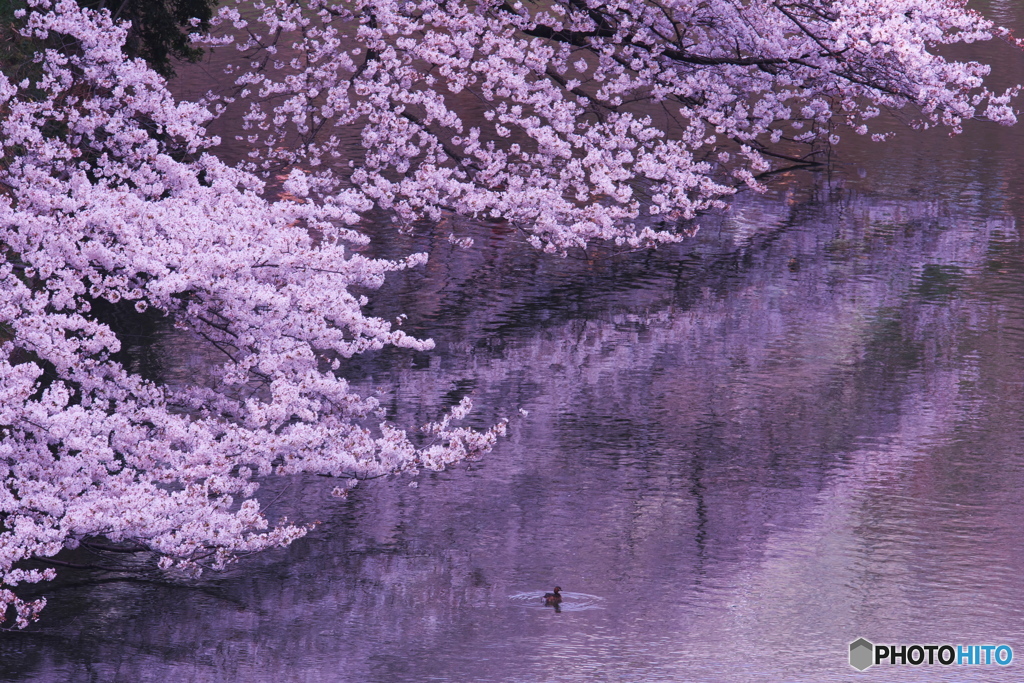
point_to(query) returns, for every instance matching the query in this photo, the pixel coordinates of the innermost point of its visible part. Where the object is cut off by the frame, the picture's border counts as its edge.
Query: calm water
(740, 454)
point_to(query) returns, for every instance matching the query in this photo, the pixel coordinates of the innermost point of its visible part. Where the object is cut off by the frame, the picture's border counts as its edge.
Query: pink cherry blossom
(109, 195)
(581, 120)
(573, 121)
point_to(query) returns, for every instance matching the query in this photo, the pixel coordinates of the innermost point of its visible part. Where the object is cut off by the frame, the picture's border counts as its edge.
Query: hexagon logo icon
(861, 654)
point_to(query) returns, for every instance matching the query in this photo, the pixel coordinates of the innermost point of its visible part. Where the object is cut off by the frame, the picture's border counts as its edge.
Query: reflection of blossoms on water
(757, 290)
(751, 431)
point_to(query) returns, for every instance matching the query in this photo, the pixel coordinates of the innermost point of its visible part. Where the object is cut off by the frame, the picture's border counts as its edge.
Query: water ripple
(571, 602)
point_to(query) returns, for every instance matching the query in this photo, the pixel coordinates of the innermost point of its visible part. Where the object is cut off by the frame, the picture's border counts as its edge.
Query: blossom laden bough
(109, 197)
(575, 121)
(583, 120)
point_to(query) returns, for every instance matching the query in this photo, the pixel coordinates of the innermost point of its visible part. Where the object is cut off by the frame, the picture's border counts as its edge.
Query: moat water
(801, 427)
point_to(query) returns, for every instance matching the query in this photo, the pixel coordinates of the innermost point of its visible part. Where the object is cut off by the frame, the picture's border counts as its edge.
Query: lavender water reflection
(797, 430)
(800, 428)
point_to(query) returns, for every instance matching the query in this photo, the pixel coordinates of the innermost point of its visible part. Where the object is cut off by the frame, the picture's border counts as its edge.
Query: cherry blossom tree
(574, 121)
(109, 197)
(578, 120)
(159, 31)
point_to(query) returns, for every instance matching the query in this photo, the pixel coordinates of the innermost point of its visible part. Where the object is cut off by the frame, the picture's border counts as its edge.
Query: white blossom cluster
(107, 195)
(581, 120)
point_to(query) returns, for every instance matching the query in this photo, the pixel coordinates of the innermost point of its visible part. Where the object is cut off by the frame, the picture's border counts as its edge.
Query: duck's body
(553, 598)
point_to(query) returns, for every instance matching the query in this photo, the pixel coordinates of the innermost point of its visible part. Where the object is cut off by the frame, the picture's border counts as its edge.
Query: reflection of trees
(681, 433)
(748, 376)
